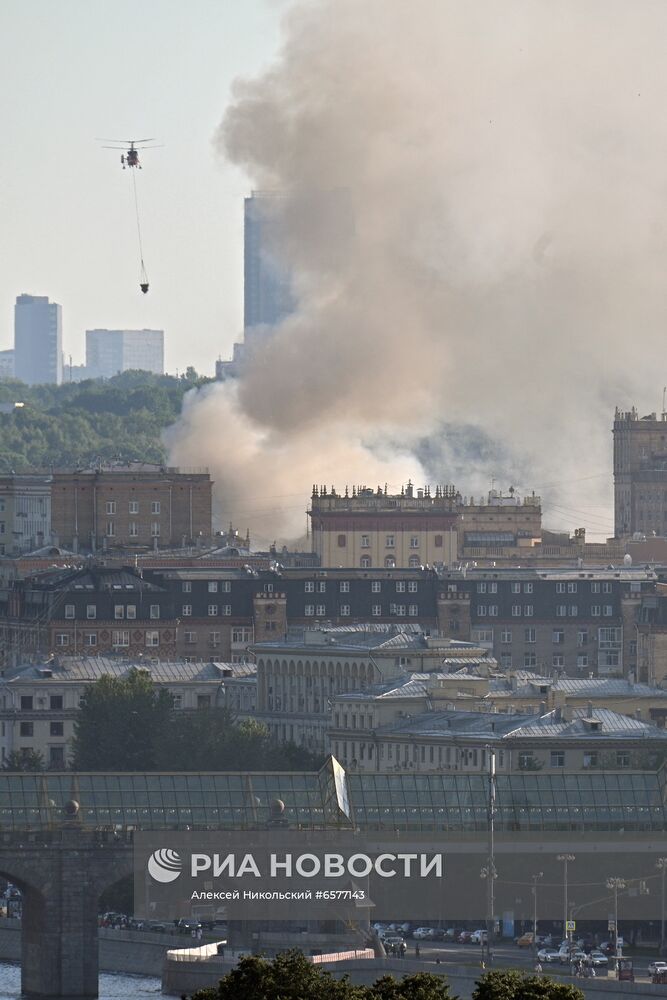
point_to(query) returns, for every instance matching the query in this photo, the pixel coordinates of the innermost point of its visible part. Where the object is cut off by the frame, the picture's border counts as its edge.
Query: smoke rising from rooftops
(501, 175)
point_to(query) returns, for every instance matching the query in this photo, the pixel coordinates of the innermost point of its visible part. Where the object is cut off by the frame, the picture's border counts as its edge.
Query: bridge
(66, 837)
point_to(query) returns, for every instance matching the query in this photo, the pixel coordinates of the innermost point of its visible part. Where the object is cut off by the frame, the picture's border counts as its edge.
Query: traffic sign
(611, 925)
(570, 925)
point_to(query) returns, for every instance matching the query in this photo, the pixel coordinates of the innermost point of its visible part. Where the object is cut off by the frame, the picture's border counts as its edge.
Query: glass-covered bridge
(629, 801)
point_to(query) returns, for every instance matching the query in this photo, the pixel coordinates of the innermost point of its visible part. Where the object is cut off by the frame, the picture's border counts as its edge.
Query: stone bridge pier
(61, 874)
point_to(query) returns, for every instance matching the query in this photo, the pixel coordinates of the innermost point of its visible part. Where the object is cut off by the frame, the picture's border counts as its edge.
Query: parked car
(421, 933)
(478, 937)
(464, 937)
(548, 955)
(393, 941)
(526, 940)
(656, 966)
(452, 933)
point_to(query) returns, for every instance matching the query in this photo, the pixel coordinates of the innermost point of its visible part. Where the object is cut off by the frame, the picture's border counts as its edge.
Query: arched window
(389, 562)
(414, 562)
(365, 562)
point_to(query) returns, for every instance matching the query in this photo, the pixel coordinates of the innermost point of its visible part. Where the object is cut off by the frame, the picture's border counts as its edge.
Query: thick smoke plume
(493, 252)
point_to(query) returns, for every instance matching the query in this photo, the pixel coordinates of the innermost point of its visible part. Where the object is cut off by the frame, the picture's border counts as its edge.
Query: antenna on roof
(664, 391)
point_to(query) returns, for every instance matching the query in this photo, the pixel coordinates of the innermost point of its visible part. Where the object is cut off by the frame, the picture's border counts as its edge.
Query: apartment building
(139, 506)
(25, 513)
(39, 703)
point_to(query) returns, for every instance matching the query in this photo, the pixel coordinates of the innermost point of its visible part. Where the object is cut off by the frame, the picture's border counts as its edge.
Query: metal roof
(85, 669)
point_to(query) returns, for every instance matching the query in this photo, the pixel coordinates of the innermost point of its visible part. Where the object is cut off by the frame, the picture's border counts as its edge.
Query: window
(90, 639)
(506, 660)
(154, 612)
(134, 529)
(309, 610)
(212, 610)
(516, 588)
(203, 701)
(622, 758)
(582, 660)
(153, 638)
(62, 639)
(481, 610)
(91, 611)
(412, 586)
(560, 588)
(493, 588)
(561, 610)
(27, 728)
(69, 611)
(344, 587)
(413, 610)
(526, 762)
(376, 586)
(400, 586)
(186, 586)
(365, 542)
(574, 611)
(506, 636)
(227, 609)
(133, 507)
(226, 586)
(56, 757)
(214, 638)
(607, 610)
(414, 562)
(155, 529)
(591, 758)
(56, 702)
(120, 638)
(528, 610)
(595, 588)
(414, 541)
(530, 659)
(557, 660)
(595, 610)
(186, 610)
(190, 638)
(111, 506)
(309, 587)
(320, 610)
(240, 634)
(26, 703)
(493, 610)
(558, 636)
(342, 541)
(155, 507)
(111, 529)
(481, 588)
(527, 588)
(365, 562)
(530, 635)
(389, 542)
(56, 729)
(606, 588)
(572, 588)
(438, 541)
(516, 611)
(389, 562)
(119, 611)
(376, 610)
(582, 637)
(321, 586)
(213, 586)
(557, 758)
(345, 610)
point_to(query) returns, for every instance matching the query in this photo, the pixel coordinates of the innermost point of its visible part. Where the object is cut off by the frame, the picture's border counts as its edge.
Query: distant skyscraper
(38, 349)
(267, 297)
(109, 352)
(640, 473)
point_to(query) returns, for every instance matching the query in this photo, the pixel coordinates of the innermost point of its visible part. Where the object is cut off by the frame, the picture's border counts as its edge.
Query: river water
(112, 986)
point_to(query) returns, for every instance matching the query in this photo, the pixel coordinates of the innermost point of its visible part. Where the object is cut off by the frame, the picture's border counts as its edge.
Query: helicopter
(129, 157)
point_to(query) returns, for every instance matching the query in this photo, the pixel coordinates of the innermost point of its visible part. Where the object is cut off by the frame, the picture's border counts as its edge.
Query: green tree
(122, 724)
(421, 986)
(23, 760)
(290, 976)
(509, 984)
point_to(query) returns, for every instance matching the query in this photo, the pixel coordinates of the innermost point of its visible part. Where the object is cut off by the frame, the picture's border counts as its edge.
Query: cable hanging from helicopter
(130, 158)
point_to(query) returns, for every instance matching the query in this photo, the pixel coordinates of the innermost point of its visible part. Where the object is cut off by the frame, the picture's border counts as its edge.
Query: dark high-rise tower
(640, 473)
(268, 297)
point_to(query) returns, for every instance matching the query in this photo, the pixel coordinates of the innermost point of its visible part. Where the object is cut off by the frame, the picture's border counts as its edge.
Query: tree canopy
(130, 724)
(77, 423)
(291, 976)
(510, 984)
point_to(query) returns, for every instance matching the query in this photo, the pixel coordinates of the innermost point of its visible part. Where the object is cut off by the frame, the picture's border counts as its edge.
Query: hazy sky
(71, 70)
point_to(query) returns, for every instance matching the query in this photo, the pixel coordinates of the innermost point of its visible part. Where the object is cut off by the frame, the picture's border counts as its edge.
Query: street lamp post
(489, 870)
(661, 865)
(535, 879)
(615, 884)
(565, 859)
